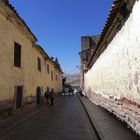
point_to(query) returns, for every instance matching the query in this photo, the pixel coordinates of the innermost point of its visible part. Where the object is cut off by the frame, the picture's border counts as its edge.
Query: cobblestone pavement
(21, 116)
(66, 120)
(107, 125)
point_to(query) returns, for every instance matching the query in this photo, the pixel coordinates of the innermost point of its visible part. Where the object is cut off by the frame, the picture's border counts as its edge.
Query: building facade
(88, 46)
(112, 79)
(26, 70)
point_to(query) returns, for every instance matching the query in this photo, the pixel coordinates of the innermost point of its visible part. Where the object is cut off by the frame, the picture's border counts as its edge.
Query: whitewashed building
(112, 74)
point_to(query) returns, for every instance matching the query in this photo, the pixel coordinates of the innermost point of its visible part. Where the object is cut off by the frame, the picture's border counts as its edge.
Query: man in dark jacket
(52, 96)
(48, 96)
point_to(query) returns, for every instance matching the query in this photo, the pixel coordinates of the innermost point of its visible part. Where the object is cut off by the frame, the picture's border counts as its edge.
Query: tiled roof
(115, 9)
(42, 51)
(6, 2)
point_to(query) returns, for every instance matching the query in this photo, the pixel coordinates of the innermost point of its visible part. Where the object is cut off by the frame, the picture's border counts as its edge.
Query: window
(17, 55)
(56, 77)
(52, 75)
(48, 69)
(39, 63)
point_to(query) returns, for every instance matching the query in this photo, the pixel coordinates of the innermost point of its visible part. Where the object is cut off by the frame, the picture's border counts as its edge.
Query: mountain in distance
(73, 79)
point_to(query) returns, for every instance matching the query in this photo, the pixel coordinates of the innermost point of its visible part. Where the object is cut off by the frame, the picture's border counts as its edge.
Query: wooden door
(19, 96)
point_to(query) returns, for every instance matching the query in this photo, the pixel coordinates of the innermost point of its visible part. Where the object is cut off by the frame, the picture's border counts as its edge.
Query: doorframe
(15, 96)
(38, 87)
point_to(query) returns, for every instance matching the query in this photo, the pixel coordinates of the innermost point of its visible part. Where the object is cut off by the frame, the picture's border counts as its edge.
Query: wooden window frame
(56, 77)
(52, 75)
(48, 68)
(17, 55)
(38, 63)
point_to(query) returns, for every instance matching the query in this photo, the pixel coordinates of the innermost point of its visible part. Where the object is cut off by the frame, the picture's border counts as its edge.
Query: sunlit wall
(117, 70)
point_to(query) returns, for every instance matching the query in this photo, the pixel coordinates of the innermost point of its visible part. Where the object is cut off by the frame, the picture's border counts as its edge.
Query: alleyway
(66, 120)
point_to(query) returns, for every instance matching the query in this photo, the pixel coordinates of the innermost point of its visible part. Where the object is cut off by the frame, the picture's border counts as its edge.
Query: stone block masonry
(125, 110)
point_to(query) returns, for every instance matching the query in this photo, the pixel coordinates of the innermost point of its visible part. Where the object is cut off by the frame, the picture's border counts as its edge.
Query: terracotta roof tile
(6, 2)
(112, 14)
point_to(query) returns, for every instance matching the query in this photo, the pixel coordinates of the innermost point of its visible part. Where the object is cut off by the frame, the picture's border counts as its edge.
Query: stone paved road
(66, 120)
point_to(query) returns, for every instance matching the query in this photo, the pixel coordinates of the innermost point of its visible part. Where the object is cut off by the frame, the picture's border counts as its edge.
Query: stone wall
(124, 109)
(7, 109)
(116, 73)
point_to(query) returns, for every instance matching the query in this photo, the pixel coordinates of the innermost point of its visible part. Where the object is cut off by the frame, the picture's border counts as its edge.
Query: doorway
(19, 96)
(38, 95)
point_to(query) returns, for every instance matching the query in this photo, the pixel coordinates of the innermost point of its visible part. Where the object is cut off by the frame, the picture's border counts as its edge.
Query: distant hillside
(73, 79)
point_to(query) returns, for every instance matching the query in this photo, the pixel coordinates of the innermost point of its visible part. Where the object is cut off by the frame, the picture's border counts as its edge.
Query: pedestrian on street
(52, 97)
(48, 96)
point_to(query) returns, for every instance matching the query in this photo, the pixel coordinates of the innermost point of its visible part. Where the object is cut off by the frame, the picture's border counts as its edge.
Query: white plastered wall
(117, 70)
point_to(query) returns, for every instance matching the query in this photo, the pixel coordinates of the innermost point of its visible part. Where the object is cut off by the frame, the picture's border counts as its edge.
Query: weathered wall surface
(114, 80)
(28, 75)
(10, 75)
(126, 110)
(117, 71)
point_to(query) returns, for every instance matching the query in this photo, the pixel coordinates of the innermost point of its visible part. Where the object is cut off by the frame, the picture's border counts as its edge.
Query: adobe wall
(28, 74)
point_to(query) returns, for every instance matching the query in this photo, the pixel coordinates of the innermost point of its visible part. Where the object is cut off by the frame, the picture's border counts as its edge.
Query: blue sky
(59, 24)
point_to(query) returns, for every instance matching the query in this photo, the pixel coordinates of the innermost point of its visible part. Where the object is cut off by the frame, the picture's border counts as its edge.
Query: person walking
(48, 96)
(52, 97)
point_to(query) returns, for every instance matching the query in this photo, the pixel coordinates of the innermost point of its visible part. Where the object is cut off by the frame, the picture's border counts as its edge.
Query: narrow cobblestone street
(66, 120)
(70, 70)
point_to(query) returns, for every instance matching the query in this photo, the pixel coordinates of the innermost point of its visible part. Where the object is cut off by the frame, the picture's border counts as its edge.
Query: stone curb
(92, 121)
(14, 125)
